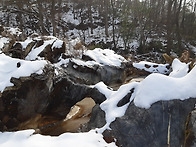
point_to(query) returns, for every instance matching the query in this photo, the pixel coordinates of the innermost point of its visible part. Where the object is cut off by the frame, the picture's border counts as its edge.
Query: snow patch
(33, 54)
(179, 69)
(3, 41)
(27, 138)
(11, 67)
(152, 67)
(105, 57)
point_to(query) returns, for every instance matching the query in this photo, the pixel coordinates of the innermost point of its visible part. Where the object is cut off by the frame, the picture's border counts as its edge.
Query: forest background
(156, 25)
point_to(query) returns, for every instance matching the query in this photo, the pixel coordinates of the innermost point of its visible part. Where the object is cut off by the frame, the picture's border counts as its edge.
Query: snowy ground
(27, 139)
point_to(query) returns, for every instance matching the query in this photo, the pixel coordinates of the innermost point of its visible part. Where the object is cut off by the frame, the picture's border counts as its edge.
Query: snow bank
(152, 67)
(27, 139)
(105, 57)
(179, 69)
(158, 87)
(11, 67)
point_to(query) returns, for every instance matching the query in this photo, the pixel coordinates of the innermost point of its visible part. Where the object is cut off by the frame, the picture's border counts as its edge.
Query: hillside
(83, 97)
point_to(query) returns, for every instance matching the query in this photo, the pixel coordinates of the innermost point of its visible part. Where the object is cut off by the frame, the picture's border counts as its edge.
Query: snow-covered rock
(10, 67)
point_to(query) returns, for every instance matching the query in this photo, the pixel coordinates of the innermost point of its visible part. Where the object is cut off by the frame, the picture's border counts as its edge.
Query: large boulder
(96, 73)
(38, 97)
(163, 124)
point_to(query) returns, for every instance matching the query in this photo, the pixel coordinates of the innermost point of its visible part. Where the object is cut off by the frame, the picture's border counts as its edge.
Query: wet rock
(78, 115)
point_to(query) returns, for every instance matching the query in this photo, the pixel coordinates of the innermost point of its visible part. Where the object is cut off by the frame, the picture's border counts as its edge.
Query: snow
(27, 138)
(155, 87)
(33, 54)
(8, 69)
(26, 42)
(57, 44)
(3, 41)
(113, 97)
(101, 57)
(179, 69)
(69, 18)
(14, 31)
(62, 62)
(84, 63)
(105, 57)
(152, 67)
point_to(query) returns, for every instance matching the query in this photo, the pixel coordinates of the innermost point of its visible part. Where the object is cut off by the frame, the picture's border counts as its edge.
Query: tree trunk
(169, 27)
(106, 17)
(113, 24)
(53, 20)
(41, 18)
(178, 34)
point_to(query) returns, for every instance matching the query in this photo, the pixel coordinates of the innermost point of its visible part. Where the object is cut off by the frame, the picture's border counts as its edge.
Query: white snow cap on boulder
(157, 87)
(105, 57)
(11, 67)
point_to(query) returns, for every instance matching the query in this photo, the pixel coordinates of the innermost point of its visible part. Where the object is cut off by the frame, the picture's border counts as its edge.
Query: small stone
(18, 64)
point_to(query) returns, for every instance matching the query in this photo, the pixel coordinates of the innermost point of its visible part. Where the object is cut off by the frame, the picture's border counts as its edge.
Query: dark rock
(150, 127)
(29, 47)
(46, 95)
(1, 29)
(147, 66)
(28, 97)
(18, 64)
(56, 52)
(86, 58)
(17, 51)
(125, 99)
(97, 119)
(94, 74)
(163, 124)
(52, 54)
(190, 132)
(39, 43)
(65, 94)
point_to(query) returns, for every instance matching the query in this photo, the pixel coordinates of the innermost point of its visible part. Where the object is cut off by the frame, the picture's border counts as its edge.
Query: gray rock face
(163, 124)
(92, 75)
(97, 119)
(190, 134)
